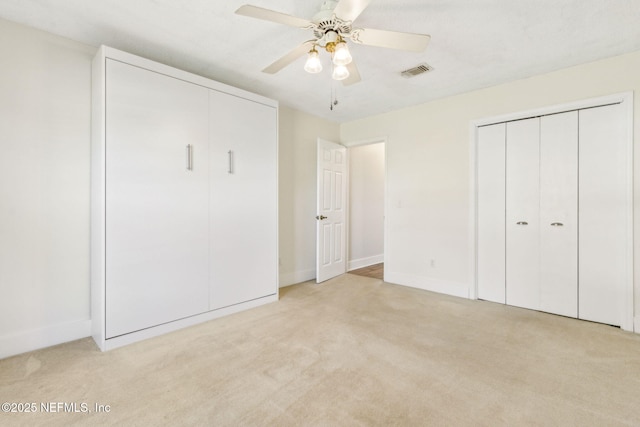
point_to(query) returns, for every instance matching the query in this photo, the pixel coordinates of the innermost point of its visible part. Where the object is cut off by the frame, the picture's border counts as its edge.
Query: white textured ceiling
(474, 43)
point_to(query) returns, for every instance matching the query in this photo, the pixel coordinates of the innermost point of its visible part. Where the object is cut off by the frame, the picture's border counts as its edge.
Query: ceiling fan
(332, 27)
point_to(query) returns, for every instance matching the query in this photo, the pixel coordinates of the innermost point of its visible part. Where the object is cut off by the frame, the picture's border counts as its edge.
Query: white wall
(428, 183)
(298, 135)
(45, 98)
(366, 205)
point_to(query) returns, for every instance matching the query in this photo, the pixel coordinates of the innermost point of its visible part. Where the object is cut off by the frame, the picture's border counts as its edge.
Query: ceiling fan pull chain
(334, 97)
(331, 98)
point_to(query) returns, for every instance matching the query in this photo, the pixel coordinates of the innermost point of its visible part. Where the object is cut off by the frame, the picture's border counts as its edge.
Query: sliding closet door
(491, 212)
(603, 209)
(522, 213)
(559, 214)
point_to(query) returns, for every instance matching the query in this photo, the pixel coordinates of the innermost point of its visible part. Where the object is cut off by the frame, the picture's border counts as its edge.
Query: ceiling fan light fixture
(340, 72)
(313, 64)
(330, 27)
(341, 54)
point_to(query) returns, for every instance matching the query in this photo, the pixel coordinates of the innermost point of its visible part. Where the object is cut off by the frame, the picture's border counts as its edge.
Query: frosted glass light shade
(340, 72)
(341, 56)
(313, 64)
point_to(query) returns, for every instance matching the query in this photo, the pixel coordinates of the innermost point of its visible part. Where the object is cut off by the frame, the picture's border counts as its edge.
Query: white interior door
(603, 214)
(559, 213)
(491, 212)
(156, 189)
(522, 213)
(331, 217)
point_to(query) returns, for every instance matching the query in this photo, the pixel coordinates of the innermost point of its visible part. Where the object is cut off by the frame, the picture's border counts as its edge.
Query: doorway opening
(366, 209)
(375, 271)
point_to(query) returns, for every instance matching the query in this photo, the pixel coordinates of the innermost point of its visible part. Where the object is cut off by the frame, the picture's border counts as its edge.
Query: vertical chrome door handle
(189, 158)
(230, 161)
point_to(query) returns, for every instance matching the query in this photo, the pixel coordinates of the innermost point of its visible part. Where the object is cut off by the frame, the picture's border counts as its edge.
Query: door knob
(321, 217)
(522, 223)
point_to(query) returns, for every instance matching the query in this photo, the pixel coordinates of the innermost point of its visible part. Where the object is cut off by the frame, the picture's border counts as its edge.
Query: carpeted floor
(350, 351)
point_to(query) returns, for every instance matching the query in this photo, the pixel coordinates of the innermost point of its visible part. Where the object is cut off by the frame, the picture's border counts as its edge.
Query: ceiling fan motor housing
(326, 22)
(333, 24)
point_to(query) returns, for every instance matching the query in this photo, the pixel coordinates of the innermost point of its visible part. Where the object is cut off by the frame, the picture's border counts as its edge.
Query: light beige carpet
(351, 351)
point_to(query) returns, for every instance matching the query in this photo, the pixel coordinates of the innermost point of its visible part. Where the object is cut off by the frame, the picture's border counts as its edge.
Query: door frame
(358, 143)
(624, 98)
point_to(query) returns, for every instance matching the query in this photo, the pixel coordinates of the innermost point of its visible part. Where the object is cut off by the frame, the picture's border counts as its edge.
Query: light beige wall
(298, 135)
(428, 166)
(45, 105)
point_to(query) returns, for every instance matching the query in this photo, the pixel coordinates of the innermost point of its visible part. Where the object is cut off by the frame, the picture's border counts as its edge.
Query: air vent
(417, 70)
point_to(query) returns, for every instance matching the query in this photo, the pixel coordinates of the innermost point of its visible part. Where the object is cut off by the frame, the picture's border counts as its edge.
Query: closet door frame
(626, 100)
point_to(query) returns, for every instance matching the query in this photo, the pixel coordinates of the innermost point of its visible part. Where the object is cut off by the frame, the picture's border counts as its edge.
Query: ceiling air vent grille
(417, 70)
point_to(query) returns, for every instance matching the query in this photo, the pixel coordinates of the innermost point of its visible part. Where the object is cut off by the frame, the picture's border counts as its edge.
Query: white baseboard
(22, 342)
(456, 289)
(636, 324)
(295, 277)
(365, 262)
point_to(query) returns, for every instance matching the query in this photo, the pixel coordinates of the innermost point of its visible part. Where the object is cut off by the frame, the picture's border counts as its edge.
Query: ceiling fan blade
(289, 57)
(272, 15)
(349, 10)
(354, 74)
(391, 39)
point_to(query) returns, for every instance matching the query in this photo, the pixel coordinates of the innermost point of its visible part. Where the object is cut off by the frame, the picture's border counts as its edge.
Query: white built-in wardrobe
(184, 199)
(553, 222)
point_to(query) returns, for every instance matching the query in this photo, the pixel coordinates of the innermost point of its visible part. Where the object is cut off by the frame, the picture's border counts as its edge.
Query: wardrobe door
(243, 200)
(522, 213)
(156, 199)
(491, 212)
(603, 214)
(559, 214)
